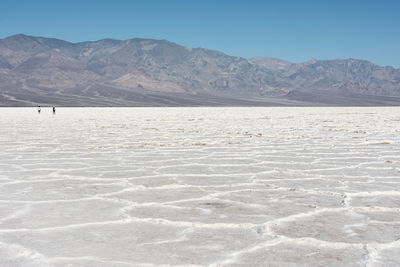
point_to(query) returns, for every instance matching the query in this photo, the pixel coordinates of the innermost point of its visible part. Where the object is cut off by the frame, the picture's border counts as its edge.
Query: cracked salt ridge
(277, 188)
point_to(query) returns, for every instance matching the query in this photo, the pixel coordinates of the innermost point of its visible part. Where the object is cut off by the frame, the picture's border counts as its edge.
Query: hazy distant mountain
(143, 72)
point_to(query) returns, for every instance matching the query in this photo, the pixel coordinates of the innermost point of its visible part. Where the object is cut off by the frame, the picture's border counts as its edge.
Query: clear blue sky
(297, 30)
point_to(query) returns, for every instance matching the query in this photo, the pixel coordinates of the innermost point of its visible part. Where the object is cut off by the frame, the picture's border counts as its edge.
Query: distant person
(39, 109)
(54, 110)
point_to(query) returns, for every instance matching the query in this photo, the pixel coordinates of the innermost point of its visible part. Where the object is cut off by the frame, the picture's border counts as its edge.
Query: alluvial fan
(200, 186)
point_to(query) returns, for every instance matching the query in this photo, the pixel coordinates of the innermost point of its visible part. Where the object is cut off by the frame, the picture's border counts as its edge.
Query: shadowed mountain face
(143, 72)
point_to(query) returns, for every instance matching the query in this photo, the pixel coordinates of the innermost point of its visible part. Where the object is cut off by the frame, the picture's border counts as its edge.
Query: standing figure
(39, 109)
(54, 110)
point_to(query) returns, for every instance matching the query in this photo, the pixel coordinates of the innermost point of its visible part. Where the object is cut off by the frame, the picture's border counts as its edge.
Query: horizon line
(166, 40)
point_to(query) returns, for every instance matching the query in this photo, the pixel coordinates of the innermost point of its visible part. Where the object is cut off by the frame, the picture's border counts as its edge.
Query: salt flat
(200, 186)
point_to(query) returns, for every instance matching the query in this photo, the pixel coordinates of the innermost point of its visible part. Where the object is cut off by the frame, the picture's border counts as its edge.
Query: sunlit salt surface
(200, 186)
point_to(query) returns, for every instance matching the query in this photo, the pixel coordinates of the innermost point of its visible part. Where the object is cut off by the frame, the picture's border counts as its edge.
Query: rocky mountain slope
(144, 72)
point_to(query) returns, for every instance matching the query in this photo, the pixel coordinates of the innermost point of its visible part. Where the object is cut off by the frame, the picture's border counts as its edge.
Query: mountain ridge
(143, 72)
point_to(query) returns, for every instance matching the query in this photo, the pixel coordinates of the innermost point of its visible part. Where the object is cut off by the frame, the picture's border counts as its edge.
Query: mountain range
(146, 72)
